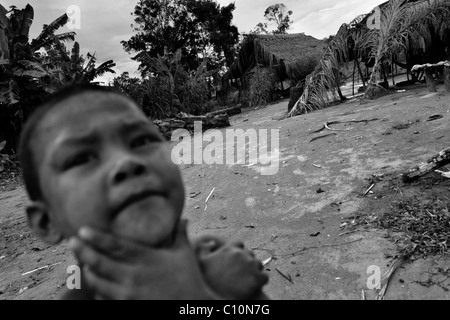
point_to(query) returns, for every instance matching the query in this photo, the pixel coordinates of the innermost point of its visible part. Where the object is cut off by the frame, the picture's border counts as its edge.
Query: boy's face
(103, 164)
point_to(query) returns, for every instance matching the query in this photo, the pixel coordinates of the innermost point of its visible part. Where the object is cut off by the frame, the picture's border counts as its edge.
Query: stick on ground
(437, 161)
(328, 124)
(388, 275)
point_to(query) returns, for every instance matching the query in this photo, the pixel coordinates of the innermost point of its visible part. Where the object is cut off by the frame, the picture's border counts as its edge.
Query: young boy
(92, 159)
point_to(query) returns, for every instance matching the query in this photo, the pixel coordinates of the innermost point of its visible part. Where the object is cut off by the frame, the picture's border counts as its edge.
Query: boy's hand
(231, 270)
(116, 268)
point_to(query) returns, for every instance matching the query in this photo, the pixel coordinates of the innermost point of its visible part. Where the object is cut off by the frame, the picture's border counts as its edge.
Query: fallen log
(435, 162)
(229, 111)
(208, 122)
(168, 126)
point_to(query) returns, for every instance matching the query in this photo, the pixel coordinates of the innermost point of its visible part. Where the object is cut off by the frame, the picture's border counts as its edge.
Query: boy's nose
(126, 169)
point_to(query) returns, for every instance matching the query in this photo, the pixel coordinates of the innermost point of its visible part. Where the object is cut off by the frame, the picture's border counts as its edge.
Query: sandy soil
(278, 215)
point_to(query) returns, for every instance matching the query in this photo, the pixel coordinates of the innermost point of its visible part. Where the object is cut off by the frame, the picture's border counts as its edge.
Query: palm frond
(67, 36)
(49, 30)
(3, 18)
(27, 20)
(104, 68)
(322, 84)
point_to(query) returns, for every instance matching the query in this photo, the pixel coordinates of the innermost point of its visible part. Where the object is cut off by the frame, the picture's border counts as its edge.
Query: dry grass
(417, 217)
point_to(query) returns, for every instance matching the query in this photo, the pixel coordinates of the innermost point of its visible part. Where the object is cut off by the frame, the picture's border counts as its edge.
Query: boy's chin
(151, 222)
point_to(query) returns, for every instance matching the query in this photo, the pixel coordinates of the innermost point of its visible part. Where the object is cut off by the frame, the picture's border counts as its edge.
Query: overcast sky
(105, 23)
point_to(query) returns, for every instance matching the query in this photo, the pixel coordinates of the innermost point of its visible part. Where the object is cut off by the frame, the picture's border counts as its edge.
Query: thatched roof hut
(293, 56)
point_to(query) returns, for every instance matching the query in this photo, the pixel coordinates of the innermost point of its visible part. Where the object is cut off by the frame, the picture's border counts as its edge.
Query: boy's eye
(142, 141)
(79, 159)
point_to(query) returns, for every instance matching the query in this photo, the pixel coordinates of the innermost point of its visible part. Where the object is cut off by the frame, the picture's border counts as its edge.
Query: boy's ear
(42, 224)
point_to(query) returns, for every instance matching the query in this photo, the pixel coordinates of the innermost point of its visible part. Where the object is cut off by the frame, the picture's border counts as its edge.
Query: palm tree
(402, 25)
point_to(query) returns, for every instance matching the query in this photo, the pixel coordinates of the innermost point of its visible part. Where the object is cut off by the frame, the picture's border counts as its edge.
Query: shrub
(194, 96)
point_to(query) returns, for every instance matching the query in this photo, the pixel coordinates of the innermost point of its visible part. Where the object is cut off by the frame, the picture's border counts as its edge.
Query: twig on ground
(327, 127)
(285, 276)
(324, 136)
(215, 228)
(267, 261)
(443, 173)
(327, 124)
(209, 196)
(348, 232)
(388, 275)
(368, 190)
(318, 247)
(44, 267)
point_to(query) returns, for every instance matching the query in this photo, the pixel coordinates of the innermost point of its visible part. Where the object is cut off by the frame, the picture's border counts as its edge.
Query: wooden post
(430, 80)
(447, 78)
(392, 70)
(353, 84)
(360, 73)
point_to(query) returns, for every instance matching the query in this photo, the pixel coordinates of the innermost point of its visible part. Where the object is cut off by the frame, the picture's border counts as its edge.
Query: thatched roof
(293, 55)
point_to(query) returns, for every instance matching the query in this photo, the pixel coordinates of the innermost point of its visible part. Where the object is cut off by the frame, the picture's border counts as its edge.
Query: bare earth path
(283, 215)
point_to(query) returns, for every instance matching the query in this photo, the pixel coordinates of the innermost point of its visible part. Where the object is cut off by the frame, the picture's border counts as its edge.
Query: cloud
(319, 18)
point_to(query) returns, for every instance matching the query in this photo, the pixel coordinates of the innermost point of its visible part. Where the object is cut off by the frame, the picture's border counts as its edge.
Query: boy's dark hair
(25, 152)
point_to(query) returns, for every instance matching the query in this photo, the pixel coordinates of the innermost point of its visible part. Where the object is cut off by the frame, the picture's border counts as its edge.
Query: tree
(29, 71)
(276, 14)
(21, 69)
(201, 28)
(71, 67)
(261, 28)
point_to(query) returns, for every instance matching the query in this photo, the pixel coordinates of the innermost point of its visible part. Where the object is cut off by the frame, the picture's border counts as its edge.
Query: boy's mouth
(135, 198)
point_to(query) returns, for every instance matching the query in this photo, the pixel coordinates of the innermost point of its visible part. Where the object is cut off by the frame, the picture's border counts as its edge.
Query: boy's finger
(112, 245)
(238, 244)
(207, 244)
(98, 262)
(104, 288)
(210, 238)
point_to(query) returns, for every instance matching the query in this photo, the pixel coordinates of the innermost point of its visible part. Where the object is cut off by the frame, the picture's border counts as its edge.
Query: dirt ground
(284, 215)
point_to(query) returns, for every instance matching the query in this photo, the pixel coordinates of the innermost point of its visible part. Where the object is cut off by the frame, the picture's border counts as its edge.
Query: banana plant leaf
(4, 48)
(75, 56)
(3, 18)
(9, 94)
(27, 20)
(49, 30)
